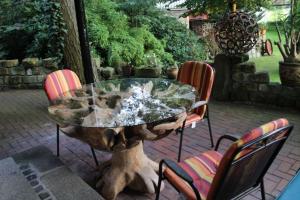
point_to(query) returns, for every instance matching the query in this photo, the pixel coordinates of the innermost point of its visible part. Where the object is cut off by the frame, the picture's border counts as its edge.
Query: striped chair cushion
(201, 76)
(201, 168)
(61, 83)
(248, 137)
(258, 132)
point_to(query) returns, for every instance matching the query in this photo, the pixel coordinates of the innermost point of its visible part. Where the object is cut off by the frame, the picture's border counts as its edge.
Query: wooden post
(84, 41)
(72, 52)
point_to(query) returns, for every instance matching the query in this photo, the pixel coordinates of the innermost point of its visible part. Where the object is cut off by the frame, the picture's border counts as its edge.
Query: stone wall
(246, 85)
(29, 73)
(252, 86)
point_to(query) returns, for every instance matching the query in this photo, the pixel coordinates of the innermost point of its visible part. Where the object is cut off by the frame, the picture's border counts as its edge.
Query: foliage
(57, 29)
(182, 43)
(114, 40)
(31, 28)
(218, 7)
(151, 60)
(289, 47)
(269, 63)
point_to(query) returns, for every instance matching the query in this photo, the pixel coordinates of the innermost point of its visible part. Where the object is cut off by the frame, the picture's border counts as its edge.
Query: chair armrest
(199, 103)
(226, 136)
(173, 166)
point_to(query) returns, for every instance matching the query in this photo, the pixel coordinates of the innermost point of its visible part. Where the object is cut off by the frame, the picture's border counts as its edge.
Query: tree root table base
(129, 168)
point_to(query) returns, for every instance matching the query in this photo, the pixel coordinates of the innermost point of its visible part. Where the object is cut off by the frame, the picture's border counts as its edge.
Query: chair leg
(94, 156)
(262, 190)
(180, 131)
(160, 177)
(57, 140)
(209, 127)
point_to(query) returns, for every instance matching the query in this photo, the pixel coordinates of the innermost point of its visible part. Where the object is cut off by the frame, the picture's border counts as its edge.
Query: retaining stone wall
(29, 73)
(251, 86)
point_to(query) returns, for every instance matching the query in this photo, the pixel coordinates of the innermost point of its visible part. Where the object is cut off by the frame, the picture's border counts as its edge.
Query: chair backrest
(245, 163)
(60, 82)
(201, 76)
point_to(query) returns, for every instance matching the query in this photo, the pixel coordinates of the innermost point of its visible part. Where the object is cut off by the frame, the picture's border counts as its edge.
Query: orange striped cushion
(257, 132)
(201, 76)
(201, 168)
(60, 83)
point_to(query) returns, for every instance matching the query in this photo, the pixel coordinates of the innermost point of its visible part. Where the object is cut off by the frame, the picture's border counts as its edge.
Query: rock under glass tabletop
(123, 103)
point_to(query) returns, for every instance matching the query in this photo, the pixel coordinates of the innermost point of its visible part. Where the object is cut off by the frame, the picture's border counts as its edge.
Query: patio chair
(58, 84)
(213, 176)
(201, 76)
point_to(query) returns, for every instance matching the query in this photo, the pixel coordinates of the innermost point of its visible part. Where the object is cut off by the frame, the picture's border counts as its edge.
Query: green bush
(114, 40)
(31, 29)
(182, 43)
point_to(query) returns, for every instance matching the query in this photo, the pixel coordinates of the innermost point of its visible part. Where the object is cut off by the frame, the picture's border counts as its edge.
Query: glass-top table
(116, 116)
(123, 102)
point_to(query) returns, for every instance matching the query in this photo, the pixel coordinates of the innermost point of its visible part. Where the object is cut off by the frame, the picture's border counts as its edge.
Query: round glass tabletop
(123, 103)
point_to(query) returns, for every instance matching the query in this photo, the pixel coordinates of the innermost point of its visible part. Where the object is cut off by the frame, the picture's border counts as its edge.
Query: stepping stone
(13, 184)
(40, 157)
(65, 185)
(54, 179)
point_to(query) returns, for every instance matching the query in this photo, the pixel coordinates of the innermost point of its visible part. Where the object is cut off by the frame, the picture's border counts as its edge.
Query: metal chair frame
(206, 116)
(58, 150)
(262, 140)
(181, 130)
(57, 140)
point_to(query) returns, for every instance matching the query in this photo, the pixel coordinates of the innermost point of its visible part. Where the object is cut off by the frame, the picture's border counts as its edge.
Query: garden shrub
(114, 40)
(31, 28)
(182, 43)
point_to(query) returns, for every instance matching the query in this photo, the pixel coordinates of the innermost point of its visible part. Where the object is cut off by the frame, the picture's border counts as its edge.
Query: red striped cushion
(257, 132)
(201, 76)
(201, 168)
(60, 83)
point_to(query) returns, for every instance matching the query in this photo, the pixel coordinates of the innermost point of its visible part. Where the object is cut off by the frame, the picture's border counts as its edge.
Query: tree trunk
(72, 53)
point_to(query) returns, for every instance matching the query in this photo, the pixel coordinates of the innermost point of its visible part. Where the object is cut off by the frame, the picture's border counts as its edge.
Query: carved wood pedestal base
(129, 168)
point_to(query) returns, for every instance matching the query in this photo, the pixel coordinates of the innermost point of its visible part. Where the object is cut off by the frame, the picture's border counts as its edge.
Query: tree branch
(278, 33)
(293, 45)
(280, 47)
(287, 49)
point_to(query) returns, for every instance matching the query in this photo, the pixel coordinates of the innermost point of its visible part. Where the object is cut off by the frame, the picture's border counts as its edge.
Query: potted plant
(126, 69)
(172, 71)
(289, 68)
(151, 68)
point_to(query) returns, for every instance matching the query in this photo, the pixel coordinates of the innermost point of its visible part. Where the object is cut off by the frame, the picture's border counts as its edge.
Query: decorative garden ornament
(237, 32)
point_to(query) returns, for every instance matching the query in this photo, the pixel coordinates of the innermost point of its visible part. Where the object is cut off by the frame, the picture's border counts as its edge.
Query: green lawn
(270, 63)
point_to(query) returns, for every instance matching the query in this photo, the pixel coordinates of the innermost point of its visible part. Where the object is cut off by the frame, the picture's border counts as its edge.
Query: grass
(270, 63)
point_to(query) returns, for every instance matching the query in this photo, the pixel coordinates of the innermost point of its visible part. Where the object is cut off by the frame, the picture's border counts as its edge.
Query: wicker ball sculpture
(236, 33)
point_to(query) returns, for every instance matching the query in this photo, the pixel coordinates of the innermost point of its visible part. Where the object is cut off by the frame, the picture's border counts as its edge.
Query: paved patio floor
(24, 124)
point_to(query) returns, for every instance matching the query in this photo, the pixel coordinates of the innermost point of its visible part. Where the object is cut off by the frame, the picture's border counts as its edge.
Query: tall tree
(217, 7)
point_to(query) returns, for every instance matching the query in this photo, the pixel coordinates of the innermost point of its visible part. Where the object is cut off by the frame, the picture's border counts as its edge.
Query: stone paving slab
(65, 186)
(50, 178)
(24, 124)
(13, 185)
(40, 157)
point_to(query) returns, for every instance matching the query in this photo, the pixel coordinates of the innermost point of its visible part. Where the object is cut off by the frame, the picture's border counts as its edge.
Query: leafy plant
(151, 60)
(180, 42)
(115, 40)
(290, 50)
(216, 8)
(31, 28)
